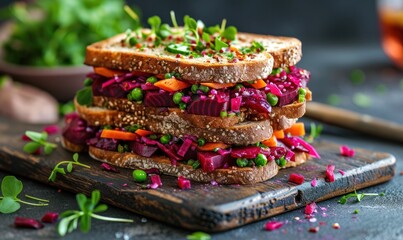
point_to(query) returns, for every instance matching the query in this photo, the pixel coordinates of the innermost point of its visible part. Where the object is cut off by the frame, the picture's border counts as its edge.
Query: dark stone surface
(378, 217)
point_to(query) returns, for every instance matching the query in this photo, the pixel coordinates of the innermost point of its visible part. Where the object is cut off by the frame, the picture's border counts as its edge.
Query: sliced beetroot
(187, 143)
(183, 183)
(143, 149)
(275, 90)
(314, 182)
(296, 178)
(129, 85)
(330, 173)
(112, 89)
(311, 150)
(158, 99)
(50, 217)
(109, 168)
(77, 131)
(148, 87)
(273, 225)
(170, 152)
(210, 161)
(259, 105)
(245, 152)
(208, 106)
(236, 104)
(21, 222)
(156, 180)
(346, 151)
(51, 129)
(107, 144)
(293, 144)
(310, 208)
(287, 97)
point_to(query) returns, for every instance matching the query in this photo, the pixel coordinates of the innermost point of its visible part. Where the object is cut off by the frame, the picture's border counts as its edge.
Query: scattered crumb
(336, 226)
(314, 229)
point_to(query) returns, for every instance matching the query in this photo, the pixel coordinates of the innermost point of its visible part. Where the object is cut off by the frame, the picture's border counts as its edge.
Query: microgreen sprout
(69, 167)
(357, 196)
(11, 187)
(316, 130)
(198, 236)
(71, 219)
(38, 141)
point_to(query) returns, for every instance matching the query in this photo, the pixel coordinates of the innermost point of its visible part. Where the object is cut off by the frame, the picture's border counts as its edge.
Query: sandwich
(204, 103)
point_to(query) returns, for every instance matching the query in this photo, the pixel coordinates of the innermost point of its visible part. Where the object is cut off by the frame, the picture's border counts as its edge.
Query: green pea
(276, 71)
(223, 114)
(165, 139)
(182, 106)
(260, 160)
(204, 89)
(201, 142)
(88, 82)
(194, 88)
(190, 162)
(137, 94)
(121, 149)
(302, 91)
(139, 175)
(177, 98)
(241, 162)
(272, 99)
(281, 162)
(167, 75)
(152, 79)
(196, 164)
(133, 41)
(238, 86)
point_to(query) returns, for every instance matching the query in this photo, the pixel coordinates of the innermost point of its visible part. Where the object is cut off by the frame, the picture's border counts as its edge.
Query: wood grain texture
(204, 207)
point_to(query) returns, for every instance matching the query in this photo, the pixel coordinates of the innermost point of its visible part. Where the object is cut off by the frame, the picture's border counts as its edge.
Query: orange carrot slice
(271, 142)
(218, 85)
(143, 133)
(171, 85)
(106, 72)
(258, 84)
(279, 134)
(120, 135)
(298, 129)
(212, 146)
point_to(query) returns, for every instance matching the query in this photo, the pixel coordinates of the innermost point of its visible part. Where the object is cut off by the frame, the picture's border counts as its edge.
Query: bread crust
(110, 54)
(232, 175)
(244, 133)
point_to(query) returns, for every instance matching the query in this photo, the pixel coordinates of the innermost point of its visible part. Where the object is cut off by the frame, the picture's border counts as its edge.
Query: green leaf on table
(69, 167)
(95, 197)
(75, 157)
(9, 205)
(11, 186)
(31, 147)
(198, 236)
(48, 148)
(362, 100)
(36, 136)
(357, 76)
(81, 201)
(100, 208)
(357, 196)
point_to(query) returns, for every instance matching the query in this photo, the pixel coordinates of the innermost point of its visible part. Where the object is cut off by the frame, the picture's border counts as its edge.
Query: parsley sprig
(38, 141)
(58, 169)
(72, 219)
(316, 130)
(11, 187)
(357, 196)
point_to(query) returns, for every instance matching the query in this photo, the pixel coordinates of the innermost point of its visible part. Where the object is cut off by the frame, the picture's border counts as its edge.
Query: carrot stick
(143, 133)
(258, 84)
(212, 146)
(298, 129)
(106, 72)
(218, 85)
(120, 135)
(171, 85)
(271, 142)
(279, 134)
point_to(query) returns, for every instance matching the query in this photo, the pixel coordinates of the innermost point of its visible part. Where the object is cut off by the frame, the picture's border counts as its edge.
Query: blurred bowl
(61, 82)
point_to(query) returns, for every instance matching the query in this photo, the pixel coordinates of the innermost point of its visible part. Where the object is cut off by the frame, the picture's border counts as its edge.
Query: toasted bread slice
(110, 53)
(280, 118)
(232, 175)
(244, 133)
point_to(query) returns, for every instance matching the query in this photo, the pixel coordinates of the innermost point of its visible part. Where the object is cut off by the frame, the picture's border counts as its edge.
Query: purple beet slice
(245, 152)
(210, 161)
(208, 106)
(143, 149)
(158, 99)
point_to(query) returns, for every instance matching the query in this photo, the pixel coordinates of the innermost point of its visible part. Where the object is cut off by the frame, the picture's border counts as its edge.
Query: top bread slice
(279, 51)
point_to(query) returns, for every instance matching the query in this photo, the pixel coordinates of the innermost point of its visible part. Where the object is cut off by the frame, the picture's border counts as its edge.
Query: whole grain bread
(244, 133)
(232, 175)
(280, 117)
(110, 53)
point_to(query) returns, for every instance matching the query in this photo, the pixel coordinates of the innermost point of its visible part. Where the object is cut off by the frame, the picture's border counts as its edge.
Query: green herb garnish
(357, 76)
(333, 99)
(316, 130)
(38, 141)
(66, 108)
(84, 96)
(11, 187)
(362, 100)
(58, 169)
(71, 219)
(219, 44)
(198, 236)
(357, 196)
(356, 211)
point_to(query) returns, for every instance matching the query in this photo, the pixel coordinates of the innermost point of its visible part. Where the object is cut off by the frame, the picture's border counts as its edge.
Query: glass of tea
(391, 21)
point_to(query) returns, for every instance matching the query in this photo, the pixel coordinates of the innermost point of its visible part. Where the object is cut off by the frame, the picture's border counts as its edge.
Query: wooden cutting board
(204, 207)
